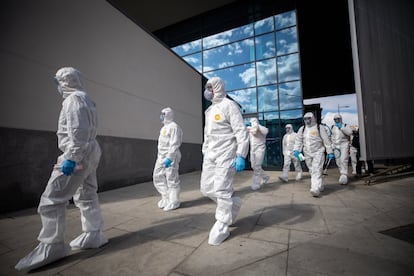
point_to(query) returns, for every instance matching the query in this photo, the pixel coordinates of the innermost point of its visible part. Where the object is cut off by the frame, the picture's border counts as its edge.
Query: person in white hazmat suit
(313, 141)
(257, 138)
(341, 136)
(288, 142)
(74, 175)
(225, 146)
(165, 176)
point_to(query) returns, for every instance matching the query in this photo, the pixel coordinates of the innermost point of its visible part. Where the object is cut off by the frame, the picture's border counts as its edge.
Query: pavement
(281, 230)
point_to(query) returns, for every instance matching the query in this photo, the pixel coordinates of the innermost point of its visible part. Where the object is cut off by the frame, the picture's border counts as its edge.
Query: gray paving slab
(281, 230)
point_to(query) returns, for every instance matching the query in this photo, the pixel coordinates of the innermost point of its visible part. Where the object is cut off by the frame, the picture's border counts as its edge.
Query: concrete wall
(129, 74)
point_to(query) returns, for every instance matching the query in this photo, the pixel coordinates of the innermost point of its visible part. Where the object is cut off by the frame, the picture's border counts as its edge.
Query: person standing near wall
(257, 138)
(166, 176)
(341, 136)
(225, 146)
(74, 175)
(353, 150)
(288, 142)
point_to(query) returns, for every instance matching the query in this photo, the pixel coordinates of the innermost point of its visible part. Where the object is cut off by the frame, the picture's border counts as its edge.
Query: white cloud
(248, 75)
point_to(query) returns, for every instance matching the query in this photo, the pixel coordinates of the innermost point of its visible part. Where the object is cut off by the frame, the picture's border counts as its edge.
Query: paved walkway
(281, 230)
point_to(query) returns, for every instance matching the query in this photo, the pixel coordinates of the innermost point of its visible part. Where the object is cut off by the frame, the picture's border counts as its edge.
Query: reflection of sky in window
(288, 67)
(265, 46)
(270, 115)
(286, 19)
(188, 48)
(266, 71)
(264, 26)
(290, 95)
(228, 55)
(291, 114)
(228, 36)
(287, 41)
(237, 77)
(246, 98)
(267, 98)
(194, 60)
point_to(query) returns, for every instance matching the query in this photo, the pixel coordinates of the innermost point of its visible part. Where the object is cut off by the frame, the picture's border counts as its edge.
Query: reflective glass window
(290, 95)
(228, 36)
(288, 68)
(286, 41)
(293, 117)
(246, 98)
(265, 46)
(284, 20)
(228, 55)
(237, 77)
(194, 60)
(264, 26)
(268, 98)
(266, 72)
(188, 48)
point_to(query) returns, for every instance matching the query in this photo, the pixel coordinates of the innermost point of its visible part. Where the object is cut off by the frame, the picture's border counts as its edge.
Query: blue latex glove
(167, 163)
(239, 163)
(248, 124)
(339, 125)
(68, 166)
(296, 154)
(331, 156)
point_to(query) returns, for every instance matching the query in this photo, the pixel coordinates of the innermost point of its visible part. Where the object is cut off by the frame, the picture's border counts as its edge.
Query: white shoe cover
(235, 208)
(171, 206)
(343, 179)
(88, 240)
(162, 203)
(256, 187)
(44, 253)
(218, 233)
(283, 178)
(298, 176)
(315, 193)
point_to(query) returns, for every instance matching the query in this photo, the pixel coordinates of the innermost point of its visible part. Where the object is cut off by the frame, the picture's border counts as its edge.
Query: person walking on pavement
(257, 138)
(288, 142)
(74, 175)
(225, 146)
(313, 141)
(165, 175)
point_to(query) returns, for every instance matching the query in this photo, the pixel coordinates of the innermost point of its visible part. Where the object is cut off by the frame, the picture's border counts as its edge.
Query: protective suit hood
(290, 128)
(218, 89)
(313, 119)
(168, 115)
(254, 121)
(69, 80)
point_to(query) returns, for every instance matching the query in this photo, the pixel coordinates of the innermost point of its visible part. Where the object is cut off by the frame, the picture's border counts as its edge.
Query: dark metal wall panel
(27, 158)
(385, 38)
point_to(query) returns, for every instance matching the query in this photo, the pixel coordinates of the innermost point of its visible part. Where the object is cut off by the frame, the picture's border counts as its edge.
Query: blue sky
(347, 108)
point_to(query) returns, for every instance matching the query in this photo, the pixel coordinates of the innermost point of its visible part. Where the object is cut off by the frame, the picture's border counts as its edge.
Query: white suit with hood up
(167, 180)
(340, 140)
(288, 142)
(313, 142)
(225, 138)
(77, 130)
(257, 137)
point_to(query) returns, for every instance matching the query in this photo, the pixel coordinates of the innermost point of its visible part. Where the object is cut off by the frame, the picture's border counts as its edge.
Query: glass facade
(259, 63)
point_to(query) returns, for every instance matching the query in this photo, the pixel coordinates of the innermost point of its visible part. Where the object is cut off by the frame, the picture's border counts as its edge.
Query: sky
(347, 108)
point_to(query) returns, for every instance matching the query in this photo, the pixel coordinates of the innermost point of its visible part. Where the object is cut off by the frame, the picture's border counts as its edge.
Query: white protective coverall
(225, 138)
(340, 140)
(288, 142)
(313, 143)
(77, 129)
(257, 137)
(167, 180)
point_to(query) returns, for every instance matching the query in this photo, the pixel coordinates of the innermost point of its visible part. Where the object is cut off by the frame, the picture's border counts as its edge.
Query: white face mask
(208, 94)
